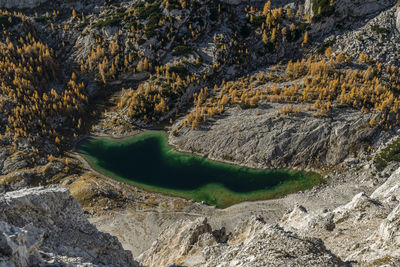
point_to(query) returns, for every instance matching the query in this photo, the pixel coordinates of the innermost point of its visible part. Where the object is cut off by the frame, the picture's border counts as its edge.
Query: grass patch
(381, 261)
(383, 32)
(111, 21)
(388, 154)
(145, 12)
(380, 30)
(182, 50)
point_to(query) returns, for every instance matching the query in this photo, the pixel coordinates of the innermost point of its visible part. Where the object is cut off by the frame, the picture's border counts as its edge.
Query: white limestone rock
(261, 138)
(308, 7)
(391, 188)
(253, 243)
(388, 233)
(50, 223)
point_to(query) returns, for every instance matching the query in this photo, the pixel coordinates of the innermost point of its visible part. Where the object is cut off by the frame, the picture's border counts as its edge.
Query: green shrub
(383, 32)
(8, 20)
(153, 20)
(322, 8)
(42, 20)
(213, 14)
(258, 20)
(141, 41)
(180, 70)
(181, 50)
(324, 46)
(269, 47)
(145, 12)
(388, 154)
(244, 31)
(298, 32)
(110, 21)
(247, 106)
(174, 4)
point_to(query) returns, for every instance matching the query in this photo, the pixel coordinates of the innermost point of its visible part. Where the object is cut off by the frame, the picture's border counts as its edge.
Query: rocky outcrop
(42, 226)
(361, 8)
(378, 37)
(253, 243)
(21, 3)
(390, 189)
(365, 230)
(232, 2)
(262, 138)
(179, 242)
(308, 7)
(353, 9)
(19, 246)
(398, 19)
(388, 234)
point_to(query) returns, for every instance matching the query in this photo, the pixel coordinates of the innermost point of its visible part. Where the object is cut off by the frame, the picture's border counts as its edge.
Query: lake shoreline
(304, 180)
(203, 155)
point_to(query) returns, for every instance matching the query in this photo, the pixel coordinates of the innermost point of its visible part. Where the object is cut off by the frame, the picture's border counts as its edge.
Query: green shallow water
(147, 161)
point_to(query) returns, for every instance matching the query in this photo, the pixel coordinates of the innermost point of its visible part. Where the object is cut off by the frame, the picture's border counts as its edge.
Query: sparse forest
(32, 108)
(195, 68)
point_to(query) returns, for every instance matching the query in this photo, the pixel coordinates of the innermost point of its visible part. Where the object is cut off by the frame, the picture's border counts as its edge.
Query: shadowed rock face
(47, 226)
(361, 8)
(21, 3)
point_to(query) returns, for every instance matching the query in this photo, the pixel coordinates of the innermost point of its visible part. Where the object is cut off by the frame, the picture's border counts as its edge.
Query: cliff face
(260, 138)
(253, 243)
(21, 3)
(360, 8)
(398, 19)
(42, 226)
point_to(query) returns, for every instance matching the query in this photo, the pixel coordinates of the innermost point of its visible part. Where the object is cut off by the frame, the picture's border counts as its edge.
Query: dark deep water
(147, 161)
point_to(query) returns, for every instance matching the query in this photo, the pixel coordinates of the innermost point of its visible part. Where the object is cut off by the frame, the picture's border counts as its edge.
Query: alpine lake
(148, 162)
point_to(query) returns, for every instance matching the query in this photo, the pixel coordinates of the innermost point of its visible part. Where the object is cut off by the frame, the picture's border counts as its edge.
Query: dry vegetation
(158, 95)
(28, 70)
(320, 82)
